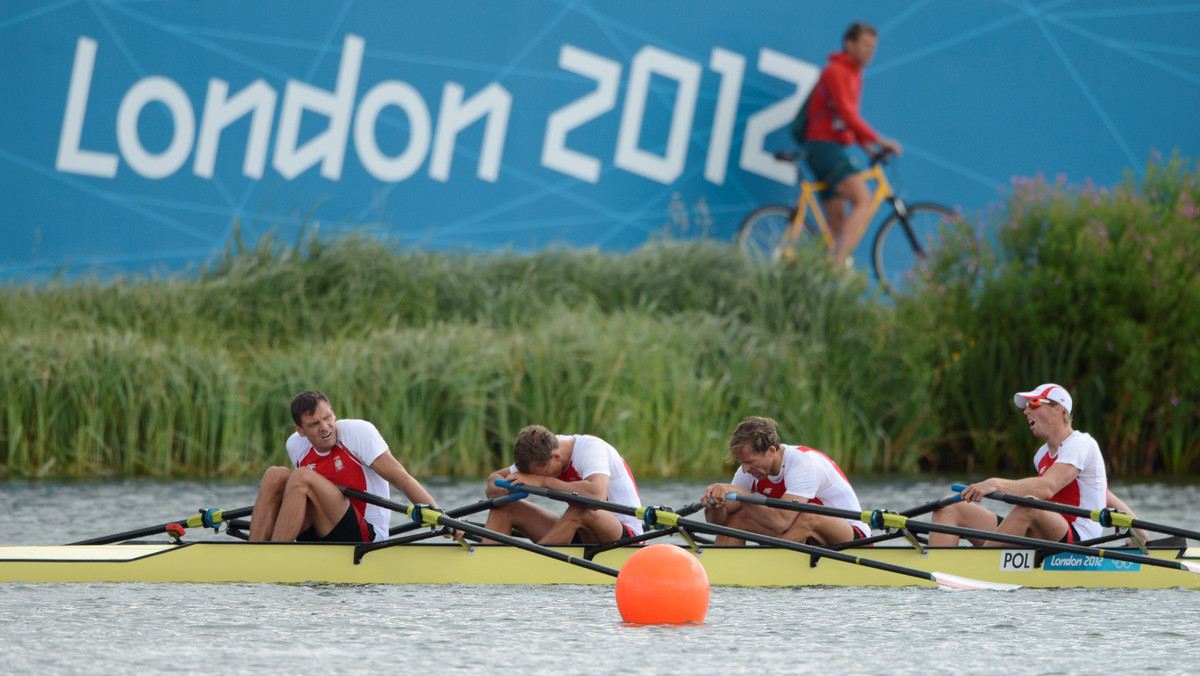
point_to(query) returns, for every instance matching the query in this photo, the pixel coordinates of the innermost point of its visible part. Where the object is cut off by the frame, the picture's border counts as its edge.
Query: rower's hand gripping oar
(1109, 518)
(433, 517)
(662, 518)
(881, 519)
(207, 518)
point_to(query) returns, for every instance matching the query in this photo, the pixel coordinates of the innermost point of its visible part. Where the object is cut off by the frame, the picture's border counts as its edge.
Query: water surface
(256, 629)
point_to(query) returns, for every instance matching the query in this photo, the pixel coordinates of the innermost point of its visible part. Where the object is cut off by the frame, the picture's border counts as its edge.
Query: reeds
(660, 351)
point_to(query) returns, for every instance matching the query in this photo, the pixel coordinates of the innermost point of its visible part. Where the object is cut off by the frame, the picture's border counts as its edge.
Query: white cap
(1055, 393)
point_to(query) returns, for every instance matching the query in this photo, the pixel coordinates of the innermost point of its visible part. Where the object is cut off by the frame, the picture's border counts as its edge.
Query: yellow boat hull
(448, 563)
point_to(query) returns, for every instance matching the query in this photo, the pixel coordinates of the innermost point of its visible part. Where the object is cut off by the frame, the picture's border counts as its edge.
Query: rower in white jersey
(1070, 471)
(578, 463)
(776, 470)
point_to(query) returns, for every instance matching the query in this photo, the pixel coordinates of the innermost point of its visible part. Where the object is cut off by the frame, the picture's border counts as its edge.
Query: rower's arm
(772, 518)
(491, 490)
(1041, 487)
(388, 467)
(593, 486)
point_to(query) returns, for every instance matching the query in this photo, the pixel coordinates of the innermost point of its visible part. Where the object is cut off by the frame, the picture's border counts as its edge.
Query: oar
(208, 518)
(428, 516)
(656, 516)
(1106, 517)
(933, 506)
(460, 512)
(882, 519)
(392, 541)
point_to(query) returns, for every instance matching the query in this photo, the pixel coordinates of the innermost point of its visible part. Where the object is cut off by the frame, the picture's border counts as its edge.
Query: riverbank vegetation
(660, 350)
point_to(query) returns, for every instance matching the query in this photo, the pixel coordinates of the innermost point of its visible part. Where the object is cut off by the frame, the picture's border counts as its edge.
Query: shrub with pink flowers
(1097, 289)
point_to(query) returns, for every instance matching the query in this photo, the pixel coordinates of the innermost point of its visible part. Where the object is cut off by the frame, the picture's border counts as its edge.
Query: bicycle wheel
(762, 233)
(904, 241)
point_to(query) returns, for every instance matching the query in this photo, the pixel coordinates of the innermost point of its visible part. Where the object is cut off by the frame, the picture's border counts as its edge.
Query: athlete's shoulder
(591, 443)
(296, 443)
(357, 435)
(355, 425)
(802, 454)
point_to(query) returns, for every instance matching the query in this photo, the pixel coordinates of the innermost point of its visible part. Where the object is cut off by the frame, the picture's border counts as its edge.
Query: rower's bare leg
(820, 529)
(534, 521)
(1034, 523)
(741, 520)
(963, 515)
(594, 527)
(309, 499)
(266, 505)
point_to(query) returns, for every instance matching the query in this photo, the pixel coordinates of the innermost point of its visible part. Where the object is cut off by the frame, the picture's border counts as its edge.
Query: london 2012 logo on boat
(1068, 561)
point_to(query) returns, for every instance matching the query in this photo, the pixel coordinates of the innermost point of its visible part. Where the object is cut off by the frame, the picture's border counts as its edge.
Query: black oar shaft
(1105, 516)
(898, 521)
(460, 512)
(669, 519)
(933, 506)
(214, 517)
(428, 516)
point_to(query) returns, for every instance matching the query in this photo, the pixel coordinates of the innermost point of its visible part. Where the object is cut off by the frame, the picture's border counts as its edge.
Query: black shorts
(352, 528)
(578, 539)
(1071, 536)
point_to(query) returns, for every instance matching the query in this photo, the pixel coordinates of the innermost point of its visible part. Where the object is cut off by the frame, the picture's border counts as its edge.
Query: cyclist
(833, 124)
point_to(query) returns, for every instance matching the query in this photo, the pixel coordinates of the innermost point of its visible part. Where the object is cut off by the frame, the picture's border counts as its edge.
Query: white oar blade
(956, 582)
(1193, 566)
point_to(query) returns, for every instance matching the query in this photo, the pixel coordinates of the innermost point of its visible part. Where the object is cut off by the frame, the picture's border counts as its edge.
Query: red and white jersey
(593, 455)
(807, 473)
(1089, 490)
(348, 464)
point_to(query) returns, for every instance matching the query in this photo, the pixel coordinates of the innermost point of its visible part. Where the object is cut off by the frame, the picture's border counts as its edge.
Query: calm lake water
(244, 629)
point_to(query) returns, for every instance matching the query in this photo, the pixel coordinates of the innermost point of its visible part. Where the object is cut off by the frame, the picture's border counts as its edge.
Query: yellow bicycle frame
(808, 202)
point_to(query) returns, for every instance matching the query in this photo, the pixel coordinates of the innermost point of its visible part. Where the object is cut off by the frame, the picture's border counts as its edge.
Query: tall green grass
(661, 351)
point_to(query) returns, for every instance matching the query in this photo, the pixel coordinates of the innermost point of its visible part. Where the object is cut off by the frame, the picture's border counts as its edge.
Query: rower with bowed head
(775, 470)
(304, 503)
(578, 463)
(1070, 471)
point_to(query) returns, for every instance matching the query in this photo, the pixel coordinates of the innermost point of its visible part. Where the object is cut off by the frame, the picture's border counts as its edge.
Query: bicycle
(773, 232)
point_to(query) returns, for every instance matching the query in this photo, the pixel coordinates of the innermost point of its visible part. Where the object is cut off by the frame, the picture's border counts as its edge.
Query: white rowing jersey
(1089, 490)
(593, 455)
(349, 464)
(810, 474)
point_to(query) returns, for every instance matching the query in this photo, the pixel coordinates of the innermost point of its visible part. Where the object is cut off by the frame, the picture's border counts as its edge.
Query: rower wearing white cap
(1070, 471)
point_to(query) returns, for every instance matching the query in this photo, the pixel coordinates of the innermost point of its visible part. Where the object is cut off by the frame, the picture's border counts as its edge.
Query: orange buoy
(662, 584)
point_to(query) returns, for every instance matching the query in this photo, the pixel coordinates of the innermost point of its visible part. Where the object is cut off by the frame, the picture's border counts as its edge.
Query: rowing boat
(498, 564)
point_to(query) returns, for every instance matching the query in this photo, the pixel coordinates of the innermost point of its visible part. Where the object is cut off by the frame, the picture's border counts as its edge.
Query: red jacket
(841, 84)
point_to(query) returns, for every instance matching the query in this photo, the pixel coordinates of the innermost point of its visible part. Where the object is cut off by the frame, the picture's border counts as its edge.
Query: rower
(578, 463)
(1070, 471)
(775, 470)
(305, 502)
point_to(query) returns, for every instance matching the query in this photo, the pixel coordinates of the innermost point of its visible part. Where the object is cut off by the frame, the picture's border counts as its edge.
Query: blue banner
(135, 136)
